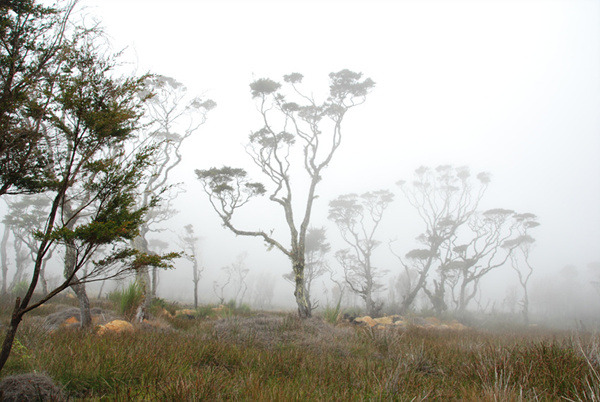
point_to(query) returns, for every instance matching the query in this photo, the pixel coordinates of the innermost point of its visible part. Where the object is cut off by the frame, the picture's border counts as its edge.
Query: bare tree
(263, 290)
(317, 128)
(25, 214)
(482, 249)
(235, 278)
(358, 217)
(520, 262)
(445, 198)
(189, 242)
(173, 117)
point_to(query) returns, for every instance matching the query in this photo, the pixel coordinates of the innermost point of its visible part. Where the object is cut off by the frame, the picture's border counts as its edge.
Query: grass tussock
(259, 356)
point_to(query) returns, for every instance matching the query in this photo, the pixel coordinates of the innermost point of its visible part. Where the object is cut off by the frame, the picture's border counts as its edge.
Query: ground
(221, 353)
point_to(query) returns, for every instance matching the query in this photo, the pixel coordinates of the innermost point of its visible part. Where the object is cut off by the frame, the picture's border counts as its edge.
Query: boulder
(384, 320)
(366, 320)
(30, 387)
(70, 318)
(115, 326)
(457, 326)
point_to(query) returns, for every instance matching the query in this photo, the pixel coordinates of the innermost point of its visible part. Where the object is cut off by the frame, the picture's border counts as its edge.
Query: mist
(511, 89)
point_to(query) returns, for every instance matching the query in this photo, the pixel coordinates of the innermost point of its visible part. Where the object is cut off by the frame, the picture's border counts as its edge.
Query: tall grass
(280, 357)
(128, 299)
(332, 314)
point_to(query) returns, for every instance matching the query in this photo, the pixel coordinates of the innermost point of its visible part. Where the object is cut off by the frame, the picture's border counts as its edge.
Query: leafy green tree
(315, 128)
(358, 218)
(31, 39)
(90, 114)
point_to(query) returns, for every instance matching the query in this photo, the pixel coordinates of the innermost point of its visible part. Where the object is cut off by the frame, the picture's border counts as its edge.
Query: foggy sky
(511, 88)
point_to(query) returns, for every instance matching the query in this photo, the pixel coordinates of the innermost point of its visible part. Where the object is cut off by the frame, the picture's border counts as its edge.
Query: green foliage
(29, 50)
(158, 304)
(20, 288)
(128, 299)
(332, 314)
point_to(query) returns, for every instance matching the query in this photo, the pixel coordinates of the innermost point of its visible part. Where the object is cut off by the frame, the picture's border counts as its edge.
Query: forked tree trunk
(78, 288)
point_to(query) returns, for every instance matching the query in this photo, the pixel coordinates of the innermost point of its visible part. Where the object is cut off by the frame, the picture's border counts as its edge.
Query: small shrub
(29, 387)
(20, 288)
(128, 299)
(206, 311)
(159, 304)
(332, 314)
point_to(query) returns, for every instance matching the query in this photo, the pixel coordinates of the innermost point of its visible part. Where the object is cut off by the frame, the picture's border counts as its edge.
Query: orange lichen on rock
(115, 326)
(401, 322)
(367, 320)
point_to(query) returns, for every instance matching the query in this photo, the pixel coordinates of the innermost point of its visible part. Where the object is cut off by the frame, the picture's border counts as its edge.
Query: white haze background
(507, 87)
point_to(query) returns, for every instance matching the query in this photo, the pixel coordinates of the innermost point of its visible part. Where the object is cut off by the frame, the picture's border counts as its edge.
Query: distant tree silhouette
(317, 129)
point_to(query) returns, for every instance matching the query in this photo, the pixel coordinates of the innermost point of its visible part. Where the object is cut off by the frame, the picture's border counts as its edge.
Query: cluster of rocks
(401, 322)
(71, 318)
(103, 322)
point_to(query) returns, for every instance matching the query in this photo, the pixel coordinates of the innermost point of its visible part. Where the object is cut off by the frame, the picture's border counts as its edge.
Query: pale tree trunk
(154, 287)
(302, 300)
(78, 288)
(3, 257)
(143, 279)
(368, 293)
(43, 280)
(70, 263)
(525, 310)
(196, 280)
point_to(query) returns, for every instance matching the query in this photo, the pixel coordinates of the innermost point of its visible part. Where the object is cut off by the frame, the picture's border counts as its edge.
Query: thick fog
(508, 88)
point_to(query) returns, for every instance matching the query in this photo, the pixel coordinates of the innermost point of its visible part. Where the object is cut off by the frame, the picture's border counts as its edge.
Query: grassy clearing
(273, 356)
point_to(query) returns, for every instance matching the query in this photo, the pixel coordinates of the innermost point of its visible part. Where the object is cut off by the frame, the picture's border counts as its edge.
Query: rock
(70, 318)
(433, 321)
(162, 312)
(115, 326)
(366, 320)
(71, 322)
(30, 387)
(384, 320)
(455, 325)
